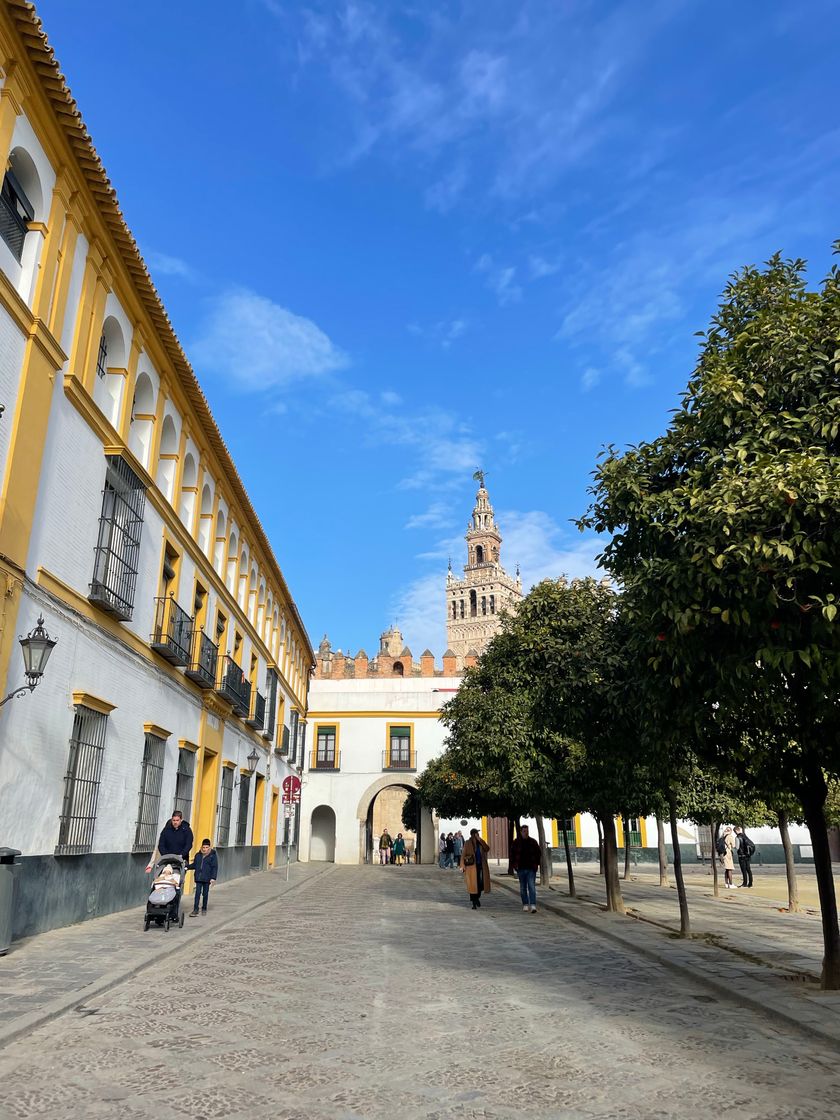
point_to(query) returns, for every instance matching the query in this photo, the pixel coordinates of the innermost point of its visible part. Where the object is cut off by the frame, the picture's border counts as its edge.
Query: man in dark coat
(176, 839)
(525, 860)
(746, 850)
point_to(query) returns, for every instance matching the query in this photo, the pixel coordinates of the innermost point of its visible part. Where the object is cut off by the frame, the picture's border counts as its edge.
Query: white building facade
(181, 670)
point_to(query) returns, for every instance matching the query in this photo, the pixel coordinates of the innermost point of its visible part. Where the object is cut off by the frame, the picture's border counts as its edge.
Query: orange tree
(725, 537)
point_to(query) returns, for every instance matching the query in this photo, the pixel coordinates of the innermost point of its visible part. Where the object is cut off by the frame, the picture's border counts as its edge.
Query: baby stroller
(164, 903)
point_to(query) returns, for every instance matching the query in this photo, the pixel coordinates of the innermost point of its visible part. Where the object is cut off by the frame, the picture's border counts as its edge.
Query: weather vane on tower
(479, 477)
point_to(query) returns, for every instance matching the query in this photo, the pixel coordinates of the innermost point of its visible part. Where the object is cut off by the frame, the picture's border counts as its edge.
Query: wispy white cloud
(590, 378)
(439, 515)
(260, 345)
(420, 610)
(443, 333)
(500, 279)
(439, 444)
(164, 264)
(540, 267)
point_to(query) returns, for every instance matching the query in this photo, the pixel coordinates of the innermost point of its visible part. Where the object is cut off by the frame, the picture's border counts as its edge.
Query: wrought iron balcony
(234, 687)
(172, 637)
(399, 760)
(204, 661)
(257, 717)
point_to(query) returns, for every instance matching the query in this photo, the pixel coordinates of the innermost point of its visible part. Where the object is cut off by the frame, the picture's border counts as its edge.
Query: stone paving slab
(43, 976)
(768, 987)
(377, 994)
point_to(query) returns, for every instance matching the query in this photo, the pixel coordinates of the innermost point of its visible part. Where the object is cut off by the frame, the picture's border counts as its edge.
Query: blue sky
(400, 241)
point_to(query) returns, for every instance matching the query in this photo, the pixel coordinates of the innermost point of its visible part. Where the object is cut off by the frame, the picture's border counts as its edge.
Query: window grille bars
(16, 212)
(151, 781)
(242, 819)
(102, 358)
(81, 782)
(184, 778)
(223, 813)
(117, 549)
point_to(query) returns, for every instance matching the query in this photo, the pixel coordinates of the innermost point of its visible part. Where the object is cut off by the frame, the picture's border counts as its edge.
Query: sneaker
(533, 909)
(193, 913)
(204, 913)
(525, 909)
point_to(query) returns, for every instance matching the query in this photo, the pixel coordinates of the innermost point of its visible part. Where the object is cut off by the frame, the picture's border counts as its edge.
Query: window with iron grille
(184, 777)
(284, 749)
(225, 802)
(567, 825)
(325, 748)
(400, 744)
(242, 819)
(151, 781)
(16, 212)
(118, 546)
(302, 736)
(293, 737)
(81, 782)
(270, 704)
(102, 358)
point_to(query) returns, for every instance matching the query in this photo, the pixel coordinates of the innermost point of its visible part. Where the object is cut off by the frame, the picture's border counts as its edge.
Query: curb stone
(23, 1024)
(772, 1005)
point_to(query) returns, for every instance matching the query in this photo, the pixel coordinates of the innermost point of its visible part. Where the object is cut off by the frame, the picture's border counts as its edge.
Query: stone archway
(322, 835)
(364, 813)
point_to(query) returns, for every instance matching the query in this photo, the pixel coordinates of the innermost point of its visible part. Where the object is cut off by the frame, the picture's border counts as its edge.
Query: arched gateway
(425, 836)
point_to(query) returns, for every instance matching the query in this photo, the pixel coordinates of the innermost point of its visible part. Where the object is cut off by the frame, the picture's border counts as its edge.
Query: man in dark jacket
(176, 839)
(525, 860)
(746, 850)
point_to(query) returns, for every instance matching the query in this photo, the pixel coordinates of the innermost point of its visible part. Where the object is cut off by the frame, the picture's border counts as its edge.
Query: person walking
(384, 848)
(746, 850)
(176, 839)
(450, 852)
(399, 850)
(525, 861)
(729, 845)
(474, 867)
(206, 869)
(458, 847)
(442, 851)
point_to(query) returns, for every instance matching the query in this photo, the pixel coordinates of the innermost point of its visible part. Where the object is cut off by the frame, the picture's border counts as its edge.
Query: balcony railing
(204, 661)
(399, 760)
(325, 762)
(257, 717)
(234, 687)
(172, 636)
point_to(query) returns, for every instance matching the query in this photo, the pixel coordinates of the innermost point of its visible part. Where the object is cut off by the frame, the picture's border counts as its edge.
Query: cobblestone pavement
(377, 993)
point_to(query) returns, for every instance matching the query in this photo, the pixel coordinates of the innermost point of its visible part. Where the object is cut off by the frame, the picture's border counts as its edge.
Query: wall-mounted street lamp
(253, 759)
(37, 647)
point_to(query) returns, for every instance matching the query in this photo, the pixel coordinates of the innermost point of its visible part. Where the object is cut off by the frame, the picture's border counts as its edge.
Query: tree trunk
(714, 832)
(685, 921)
(813, 803)
(614, 900)
(600, 828)
(790, 868)
(626, 824)
(663, 855)
(510, 828)
(569, 870)
(545, 873)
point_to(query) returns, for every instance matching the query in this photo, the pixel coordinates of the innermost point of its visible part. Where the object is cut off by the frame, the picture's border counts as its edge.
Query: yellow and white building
(181, 671)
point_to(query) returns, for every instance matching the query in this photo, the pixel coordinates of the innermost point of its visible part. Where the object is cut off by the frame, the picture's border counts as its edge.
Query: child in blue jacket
(206, 868)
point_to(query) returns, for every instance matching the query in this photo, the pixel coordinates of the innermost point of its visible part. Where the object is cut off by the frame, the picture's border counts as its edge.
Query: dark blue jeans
(201, 889)
(528, 887)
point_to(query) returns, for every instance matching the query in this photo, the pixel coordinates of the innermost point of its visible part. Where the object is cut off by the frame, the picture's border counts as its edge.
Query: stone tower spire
(474, 603)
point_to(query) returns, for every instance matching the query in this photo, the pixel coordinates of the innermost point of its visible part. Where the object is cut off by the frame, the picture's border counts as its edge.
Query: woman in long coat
(473, 864)
(730, 840)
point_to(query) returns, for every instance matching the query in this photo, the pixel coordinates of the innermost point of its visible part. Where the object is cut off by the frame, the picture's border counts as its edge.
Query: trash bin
(8, 870)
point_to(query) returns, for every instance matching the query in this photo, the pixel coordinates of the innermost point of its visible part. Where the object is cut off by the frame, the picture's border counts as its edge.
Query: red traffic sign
(291, 790)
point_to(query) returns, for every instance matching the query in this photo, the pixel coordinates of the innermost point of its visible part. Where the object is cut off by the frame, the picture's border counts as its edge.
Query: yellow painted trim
(228, 765)
(272, 825)
(156, 729)
(259, 810)
(392, 715)
(578, 831)
(88, 700)
(314, 756)
(245, 770)
(555, 835)
(643, 831)
(619, 832)
(186, 745)
(485, 828)
(411, 755)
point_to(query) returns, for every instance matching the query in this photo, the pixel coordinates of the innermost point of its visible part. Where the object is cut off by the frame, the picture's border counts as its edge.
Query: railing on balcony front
(172, 637)
(234, 687)
(399, 760)
(204, 661)
(257, 717)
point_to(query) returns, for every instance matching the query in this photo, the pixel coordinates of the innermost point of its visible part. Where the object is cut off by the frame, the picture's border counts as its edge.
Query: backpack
(749, 848)
(720, 846)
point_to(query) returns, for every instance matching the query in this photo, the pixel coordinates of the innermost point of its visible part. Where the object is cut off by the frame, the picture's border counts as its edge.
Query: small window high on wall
(16, 212)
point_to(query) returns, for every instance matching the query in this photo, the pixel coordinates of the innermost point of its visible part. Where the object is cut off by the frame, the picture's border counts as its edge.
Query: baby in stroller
(164, 903)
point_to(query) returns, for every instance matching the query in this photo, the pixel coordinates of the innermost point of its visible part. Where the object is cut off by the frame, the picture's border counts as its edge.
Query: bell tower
(474, 604)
